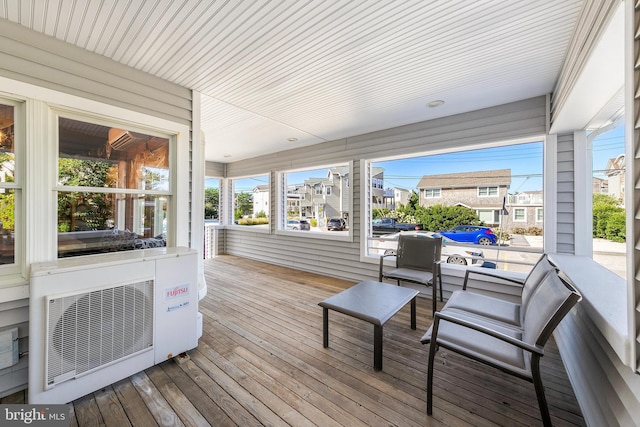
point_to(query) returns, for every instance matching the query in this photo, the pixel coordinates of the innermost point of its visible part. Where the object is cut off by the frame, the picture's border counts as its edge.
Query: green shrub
(441, 217)
(518, 230)
(534, 231)
(253, 221)
(616, 227)
(314, 222)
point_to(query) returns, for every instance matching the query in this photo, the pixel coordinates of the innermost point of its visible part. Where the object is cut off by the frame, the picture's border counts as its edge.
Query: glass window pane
(609, 210)
(211, 201)
(7, 226)
(91, 223)
(92, 155)
(475, 187)
(251, 198)
(7, 195)
(318, 211)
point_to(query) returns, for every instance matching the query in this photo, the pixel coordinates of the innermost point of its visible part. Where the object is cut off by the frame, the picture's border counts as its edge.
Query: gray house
(483, 191)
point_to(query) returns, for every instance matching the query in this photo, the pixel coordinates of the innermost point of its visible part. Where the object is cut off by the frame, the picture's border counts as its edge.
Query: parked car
(471, 234)
(388, 244)
(389, 225)
(302, 224)
(337, 224)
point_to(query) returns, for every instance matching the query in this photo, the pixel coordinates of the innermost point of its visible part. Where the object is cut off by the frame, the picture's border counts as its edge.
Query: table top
(374, 302)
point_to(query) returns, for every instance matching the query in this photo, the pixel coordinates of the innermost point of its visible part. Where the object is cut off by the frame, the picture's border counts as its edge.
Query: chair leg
(537, 383)
(433, 348)
(440, 280)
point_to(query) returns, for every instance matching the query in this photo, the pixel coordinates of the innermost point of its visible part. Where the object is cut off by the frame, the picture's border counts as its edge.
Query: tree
(244, 205)
(608, 218)
(85, 211)
(211, 203)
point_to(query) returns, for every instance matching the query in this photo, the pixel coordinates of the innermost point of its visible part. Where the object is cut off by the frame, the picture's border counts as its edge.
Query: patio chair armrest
(382, 257)
(492, 275)
(482, 329)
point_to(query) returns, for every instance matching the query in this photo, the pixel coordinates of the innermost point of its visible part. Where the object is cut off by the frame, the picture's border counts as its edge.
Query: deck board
(261, 361)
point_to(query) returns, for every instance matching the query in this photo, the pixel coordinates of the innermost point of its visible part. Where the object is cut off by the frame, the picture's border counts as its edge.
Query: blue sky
(524, 160)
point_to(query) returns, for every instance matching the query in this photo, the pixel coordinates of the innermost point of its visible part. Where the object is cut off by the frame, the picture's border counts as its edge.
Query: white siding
(565, 199)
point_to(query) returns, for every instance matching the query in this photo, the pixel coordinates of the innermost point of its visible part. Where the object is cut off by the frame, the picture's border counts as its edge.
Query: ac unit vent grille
(93, 329)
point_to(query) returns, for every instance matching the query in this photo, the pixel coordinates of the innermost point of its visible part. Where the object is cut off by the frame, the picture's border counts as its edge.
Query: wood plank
(87, 411)
(174, 396)
(203, 403)
(133, 404)
(110, 407)
(157, 404)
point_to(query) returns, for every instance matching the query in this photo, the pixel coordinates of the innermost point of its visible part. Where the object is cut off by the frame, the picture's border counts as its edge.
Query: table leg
(413, 313)
(377, 347)
(325, 327)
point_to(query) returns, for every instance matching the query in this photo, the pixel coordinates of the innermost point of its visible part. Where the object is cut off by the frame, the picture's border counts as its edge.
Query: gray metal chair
(516, 351)
(495, 308)
(417, 261)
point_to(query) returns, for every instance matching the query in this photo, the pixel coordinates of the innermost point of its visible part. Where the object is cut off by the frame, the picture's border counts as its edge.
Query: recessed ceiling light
(227, 156)
(292, 139)
(436, 103)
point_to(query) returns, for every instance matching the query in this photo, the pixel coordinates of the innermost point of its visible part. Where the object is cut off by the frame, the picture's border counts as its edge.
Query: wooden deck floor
(261, 362)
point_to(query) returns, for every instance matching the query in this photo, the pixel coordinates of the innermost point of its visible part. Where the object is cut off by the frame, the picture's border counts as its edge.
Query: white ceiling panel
(320, 70)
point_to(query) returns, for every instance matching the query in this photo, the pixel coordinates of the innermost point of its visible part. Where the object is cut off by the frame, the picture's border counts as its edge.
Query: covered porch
(260, 361)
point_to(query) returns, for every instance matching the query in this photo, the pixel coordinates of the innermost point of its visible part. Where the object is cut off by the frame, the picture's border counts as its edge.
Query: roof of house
(500, 177)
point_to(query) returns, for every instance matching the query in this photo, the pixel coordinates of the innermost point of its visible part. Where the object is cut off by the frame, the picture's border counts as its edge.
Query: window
(487, 191)
(539, 214)
(211, 201)
(10, 189)
(609, 210)
(432, 193)
(489, 216)
(251, 197)
(113, 188)
(474, 181)
(309, 215)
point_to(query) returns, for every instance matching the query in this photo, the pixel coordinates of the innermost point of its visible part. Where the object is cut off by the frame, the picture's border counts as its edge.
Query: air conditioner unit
(97, 319)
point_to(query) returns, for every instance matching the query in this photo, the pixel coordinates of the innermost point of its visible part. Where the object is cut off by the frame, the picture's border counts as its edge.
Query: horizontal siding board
(75, 71)
(214, 169)
(59, 53)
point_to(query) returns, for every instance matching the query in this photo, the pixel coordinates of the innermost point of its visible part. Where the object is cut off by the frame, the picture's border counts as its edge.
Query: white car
(388, 244)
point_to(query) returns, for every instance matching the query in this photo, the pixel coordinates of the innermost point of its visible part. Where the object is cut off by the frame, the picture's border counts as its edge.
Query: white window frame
(16, 272)
(367, 198)
(432, 191)
(538, 212)
(105, 121)
(488, 188)
(327, 190)
(229, 198)
(524, 216)
(281, 206)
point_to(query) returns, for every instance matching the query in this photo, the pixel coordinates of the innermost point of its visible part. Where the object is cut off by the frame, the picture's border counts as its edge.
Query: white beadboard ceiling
(319, 70)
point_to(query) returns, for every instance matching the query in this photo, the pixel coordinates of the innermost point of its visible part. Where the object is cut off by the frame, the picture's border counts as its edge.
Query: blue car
(471, 234)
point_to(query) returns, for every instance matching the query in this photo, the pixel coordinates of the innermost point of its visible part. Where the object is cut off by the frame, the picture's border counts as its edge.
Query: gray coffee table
(374, 302)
